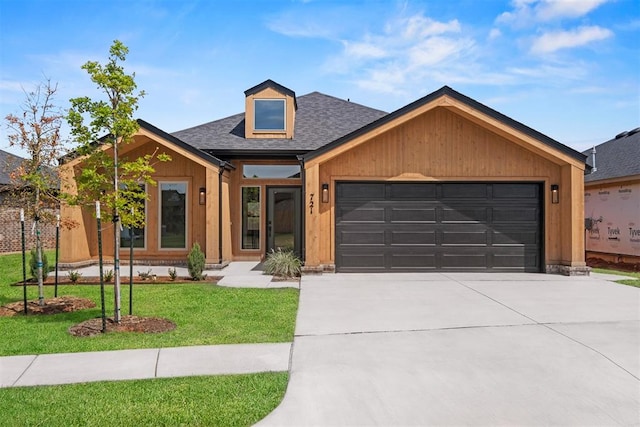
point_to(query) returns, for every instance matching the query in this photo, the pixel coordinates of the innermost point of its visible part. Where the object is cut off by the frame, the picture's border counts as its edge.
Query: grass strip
(629, 282)
(205, 314)
(233, 400)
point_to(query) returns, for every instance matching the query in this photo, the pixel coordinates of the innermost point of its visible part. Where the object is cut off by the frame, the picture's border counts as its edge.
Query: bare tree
(35, 180)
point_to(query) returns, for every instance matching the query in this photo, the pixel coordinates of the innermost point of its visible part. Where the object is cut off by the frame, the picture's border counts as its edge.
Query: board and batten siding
(201, 226)
(441, 145)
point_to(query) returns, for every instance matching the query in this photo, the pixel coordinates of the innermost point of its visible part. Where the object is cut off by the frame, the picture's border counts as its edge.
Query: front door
(284, 219)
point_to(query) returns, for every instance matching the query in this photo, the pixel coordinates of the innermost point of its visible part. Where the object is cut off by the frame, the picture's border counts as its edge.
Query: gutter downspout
(302, 210)
(220, 172)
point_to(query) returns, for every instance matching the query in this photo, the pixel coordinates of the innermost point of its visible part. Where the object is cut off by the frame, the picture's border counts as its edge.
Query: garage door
(438, 226)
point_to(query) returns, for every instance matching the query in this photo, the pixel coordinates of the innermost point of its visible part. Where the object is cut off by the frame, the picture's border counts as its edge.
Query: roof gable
(273, 85)
(448, 98)
(199, 156)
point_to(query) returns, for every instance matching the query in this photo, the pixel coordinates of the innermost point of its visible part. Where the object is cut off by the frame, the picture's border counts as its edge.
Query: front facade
(443, 184)
(612, 199)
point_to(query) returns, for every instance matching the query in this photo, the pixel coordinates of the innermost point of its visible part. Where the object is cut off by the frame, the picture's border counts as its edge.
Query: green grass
(204, 314)
(238, 400)
(629, 282)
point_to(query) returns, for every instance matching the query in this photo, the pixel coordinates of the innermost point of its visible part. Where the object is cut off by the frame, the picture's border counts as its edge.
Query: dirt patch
(621, 266)
(56, 305)
(149, 325)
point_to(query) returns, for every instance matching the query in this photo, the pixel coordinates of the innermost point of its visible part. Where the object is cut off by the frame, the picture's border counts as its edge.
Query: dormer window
(269, 115)
(270, 111)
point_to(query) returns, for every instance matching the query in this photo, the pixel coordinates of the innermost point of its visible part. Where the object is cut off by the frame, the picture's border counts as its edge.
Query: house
(612, 199)
(442, 184)
(10, 227)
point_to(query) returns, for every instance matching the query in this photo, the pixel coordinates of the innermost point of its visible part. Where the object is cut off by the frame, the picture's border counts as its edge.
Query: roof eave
(442, 92)
(190, 148)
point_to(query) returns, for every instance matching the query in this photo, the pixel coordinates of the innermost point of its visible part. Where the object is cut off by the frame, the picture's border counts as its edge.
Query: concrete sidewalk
(66, 368)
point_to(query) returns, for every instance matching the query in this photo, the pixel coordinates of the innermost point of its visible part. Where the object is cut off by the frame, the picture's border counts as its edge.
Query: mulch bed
(66, 304)
(56, 305)
(149, 325)
(64, 280)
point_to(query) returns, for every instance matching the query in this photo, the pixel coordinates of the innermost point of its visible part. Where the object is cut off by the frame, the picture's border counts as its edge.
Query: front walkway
(238, 274)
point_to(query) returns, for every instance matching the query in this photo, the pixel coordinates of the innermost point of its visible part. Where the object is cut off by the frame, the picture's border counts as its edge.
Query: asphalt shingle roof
(8, 162)
(615, 158)
(320, 119)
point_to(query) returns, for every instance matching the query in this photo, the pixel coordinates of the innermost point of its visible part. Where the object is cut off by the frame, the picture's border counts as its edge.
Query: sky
(567, 68)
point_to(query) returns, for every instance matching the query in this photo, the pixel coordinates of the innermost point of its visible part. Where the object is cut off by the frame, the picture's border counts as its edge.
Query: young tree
(104, 175)
(36, 181)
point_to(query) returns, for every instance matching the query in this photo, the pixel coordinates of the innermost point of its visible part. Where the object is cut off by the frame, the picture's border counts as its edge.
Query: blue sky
(569, 69)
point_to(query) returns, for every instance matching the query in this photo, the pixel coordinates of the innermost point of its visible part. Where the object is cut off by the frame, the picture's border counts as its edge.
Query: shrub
(108, 275)
(173, 274)
(282, 263)
(33, 265)
(74, 276)
(145, 275)
(195, 263)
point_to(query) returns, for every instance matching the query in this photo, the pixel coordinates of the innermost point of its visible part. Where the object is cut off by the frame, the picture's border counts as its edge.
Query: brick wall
(10, 235)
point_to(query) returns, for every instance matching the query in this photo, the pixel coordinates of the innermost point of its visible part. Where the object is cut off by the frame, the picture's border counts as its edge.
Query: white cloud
(529, 12)
(404, 52)
(556, 40)
(494, 34)
(364, 50)
(419, 26)
(553, 9)
(435, 50)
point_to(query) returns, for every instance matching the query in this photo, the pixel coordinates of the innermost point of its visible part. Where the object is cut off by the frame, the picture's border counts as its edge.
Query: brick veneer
(10, 236)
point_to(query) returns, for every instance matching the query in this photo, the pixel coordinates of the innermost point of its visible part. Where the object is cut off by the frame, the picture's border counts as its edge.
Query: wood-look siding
(290, 115)
(440, 145)
(202, 223)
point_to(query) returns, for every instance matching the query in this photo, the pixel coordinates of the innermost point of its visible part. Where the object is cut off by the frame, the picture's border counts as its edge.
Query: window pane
(269, 114)
(271, 171)
(251, 218)
(136, 234)
(173, 213)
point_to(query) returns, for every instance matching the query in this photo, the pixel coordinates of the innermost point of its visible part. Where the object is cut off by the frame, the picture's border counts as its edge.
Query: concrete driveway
(463, 349)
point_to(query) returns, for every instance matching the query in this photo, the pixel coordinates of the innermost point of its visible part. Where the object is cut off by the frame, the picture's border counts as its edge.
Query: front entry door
(284, 219)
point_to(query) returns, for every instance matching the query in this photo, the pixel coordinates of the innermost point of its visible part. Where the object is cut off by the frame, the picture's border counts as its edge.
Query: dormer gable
(270, 111)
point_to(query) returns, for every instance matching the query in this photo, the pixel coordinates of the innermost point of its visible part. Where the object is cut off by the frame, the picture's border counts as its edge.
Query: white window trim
(260, 231)
(284, 118)
(186, 214)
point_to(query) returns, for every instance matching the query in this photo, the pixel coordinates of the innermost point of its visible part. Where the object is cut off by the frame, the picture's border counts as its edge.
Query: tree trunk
(116, 267)
(39, 272)
(116, 238)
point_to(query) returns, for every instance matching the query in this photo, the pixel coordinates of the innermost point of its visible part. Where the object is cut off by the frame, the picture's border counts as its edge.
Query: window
(251, 218)
(173, 215)
(271, 171)
(135, 234)
(269, 114)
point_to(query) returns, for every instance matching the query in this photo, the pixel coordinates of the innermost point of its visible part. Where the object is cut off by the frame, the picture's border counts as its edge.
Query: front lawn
(630, 282)
(204, 314)
(238, 400)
